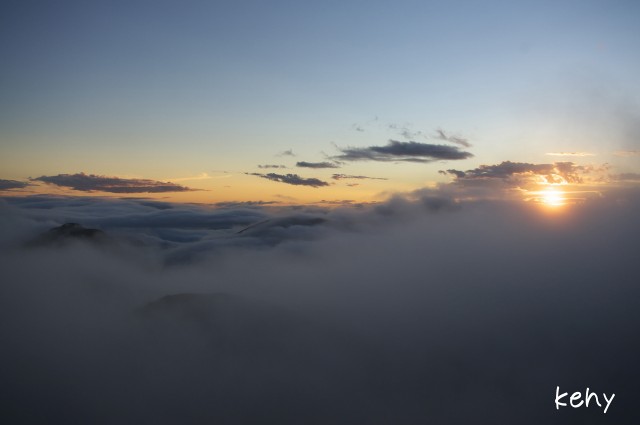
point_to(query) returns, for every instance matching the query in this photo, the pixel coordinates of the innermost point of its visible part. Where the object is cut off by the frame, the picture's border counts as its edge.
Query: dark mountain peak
(68, 232)
(75, 230)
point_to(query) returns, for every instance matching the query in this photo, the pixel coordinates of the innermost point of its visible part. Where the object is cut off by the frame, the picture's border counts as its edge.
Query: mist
(421, 309)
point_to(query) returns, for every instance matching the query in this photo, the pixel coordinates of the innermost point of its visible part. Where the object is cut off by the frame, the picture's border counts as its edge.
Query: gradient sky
(173, 90)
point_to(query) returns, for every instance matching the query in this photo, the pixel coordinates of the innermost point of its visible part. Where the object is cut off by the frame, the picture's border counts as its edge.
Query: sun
(552, 197)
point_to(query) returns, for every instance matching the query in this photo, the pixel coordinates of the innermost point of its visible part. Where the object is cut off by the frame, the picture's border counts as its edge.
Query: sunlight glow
(552, 197)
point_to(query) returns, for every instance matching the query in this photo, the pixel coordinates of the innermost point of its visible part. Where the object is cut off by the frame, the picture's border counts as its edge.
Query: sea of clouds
(421, 309)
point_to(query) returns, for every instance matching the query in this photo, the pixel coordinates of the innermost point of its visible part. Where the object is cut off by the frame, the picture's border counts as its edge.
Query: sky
(202, 94)
(347, 212)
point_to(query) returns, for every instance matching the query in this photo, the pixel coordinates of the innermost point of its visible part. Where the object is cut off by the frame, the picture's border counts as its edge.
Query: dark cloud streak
(304, 164)
(94, 183)
(292, 179)
(12, 184)
(404, 152)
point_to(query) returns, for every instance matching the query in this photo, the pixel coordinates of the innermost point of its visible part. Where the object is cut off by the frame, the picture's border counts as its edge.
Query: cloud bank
(420, 309)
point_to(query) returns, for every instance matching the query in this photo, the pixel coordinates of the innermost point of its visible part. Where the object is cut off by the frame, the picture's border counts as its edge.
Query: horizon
(344, 212)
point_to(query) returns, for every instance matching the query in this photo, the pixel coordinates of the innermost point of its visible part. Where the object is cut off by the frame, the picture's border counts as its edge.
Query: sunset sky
(212, 95)
(319, 212)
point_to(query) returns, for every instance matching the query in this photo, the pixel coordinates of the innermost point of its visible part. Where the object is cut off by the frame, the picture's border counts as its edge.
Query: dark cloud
(12, 184)
(452, 139)
(293, 179)
(557, 172)
(347, 176)
(403, 151)
(325, 164)
(272, 166)
(94, 183)
(288, 152)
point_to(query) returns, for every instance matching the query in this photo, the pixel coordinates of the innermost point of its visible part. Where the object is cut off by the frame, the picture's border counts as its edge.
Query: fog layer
(419, 310)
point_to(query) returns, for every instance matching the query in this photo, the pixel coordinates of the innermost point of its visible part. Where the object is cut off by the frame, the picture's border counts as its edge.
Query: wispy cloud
(452, 139)
(201, 176)
(94, 183)
(288, 152)
(292, 179)
(627, 153)
(240, 204)
(403, 151)
(272, 166)
(304, 164)
(405, 131)
(570, 154)
(347, 176)
(635, 177)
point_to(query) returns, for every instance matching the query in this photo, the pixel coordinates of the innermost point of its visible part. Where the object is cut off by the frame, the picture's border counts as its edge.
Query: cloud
(452, 139)
(347, 176)
(293, 179)
(92, 183)
(325, 164)
(515, 172)
(288, 152)
(627, 177)
(201, 176)
(236, 204)
(405, 131)
(272, 166)
(570, 154)
(627, 153)
(403, 151)
(12, 184)
(342, 315)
